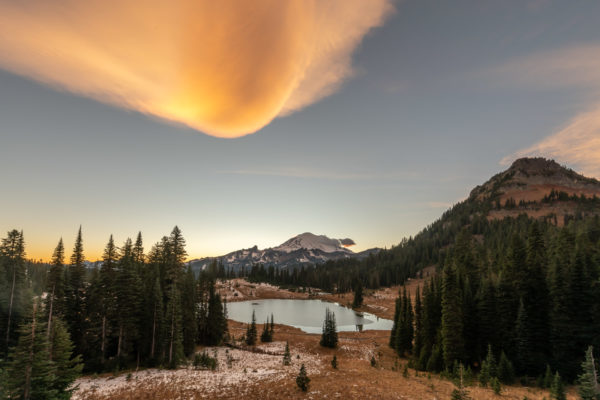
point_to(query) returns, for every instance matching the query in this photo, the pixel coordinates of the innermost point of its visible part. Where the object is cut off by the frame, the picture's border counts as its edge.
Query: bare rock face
(530, 179)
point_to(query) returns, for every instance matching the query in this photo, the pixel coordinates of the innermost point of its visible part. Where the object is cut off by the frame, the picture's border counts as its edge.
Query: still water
(307, 315)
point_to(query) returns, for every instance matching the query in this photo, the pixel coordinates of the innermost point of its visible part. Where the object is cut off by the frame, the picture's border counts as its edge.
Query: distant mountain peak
(305, 248)
(310, 241)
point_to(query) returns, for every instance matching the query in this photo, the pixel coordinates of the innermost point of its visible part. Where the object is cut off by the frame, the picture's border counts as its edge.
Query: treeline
(133, 310)
(527, 290)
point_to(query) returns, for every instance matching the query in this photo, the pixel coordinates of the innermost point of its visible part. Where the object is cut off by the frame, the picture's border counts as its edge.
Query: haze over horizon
(358, 121)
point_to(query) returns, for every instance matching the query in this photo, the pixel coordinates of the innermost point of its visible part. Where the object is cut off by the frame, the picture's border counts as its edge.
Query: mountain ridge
(303, 249)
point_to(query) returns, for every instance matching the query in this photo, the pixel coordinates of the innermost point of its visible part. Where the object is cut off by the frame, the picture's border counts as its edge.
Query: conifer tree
(189, 312)
(174, 334)
(489, 369)
(487, 314)
(523, 344)
(404, 325)
(287, 358)
(302, 380)
(358, 294)
(548, 378)
(418, 342)
(460, 392)
(557, 390)
(14, 295)
(157, 328)
(138, 252)
(66, 368)
(251, 331)
(265, 336)
(395, 326)
(506, 372)
(75, 312)
(212, 326)
(588, 387)
(329, 337)
(30, 374)
(536, 299)
(55, 285)
(452, 321)
(129, 292)
(106, 296)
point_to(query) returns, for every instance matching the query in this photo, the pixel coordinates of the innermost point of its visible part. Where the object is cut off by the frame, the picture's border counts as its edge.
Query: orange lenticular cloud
(224, 67)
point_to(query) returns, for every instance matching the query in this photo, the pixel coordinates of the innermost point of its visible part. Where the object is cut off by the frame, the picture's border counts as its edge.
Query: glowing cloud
(224, 67)
(578, 142)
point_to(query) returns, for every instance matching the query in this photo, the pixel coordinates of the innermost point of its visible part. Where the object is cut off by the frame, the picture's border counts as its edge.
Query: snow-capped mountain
(306, 248)
(313, 242)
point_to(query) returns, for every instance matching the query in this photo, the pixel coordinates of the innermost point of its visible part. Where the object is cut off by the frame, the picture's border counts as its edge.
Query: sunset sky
(246, 123)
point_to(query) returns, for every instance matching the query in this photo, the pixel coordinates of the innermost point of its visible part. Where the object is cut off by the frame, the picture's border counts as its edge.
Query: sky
(246, 123)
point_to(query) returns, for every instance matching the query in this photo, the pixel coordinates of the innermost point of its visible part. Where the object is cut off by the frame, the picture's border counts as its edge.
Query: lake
(308, 315)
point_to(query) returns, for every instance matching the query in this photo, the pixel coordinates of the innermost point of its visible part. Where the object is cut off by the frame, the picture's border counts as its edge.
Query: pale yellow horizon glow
(226, 68)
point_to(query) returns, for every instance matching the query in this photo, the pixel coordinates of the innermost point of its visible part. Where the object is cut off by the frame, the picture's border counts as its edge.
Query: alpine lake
(307, 315)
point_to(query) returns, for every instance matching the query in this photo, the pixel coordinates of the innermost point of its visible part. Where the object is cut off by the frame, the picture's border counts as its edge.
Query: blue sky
(441, 93)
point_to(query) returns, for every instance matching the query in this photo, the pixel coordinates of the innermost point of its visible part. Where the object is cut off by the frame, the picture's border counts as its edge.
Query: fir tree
(129, 302)
(265, 336)
(523, 344)
(548, 378)
(30, 373)
(251, 331)
(66, 367)
(358, 294)
(75, 312)
(536, 299)
(452, 321)
(506, 372)
(174, 334)
(495, 385)
(488, 368)
(329, 337)
(418, 342)
(55, 285)
(302, 380)
(334, 363)
(394, 331)
(157, 319)
(106, 299)
(14, 294)
(588, 380)
(460, 393)
(287, 358)
(189, 313)
(138, 252)
(404, 325)
(557, 390)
